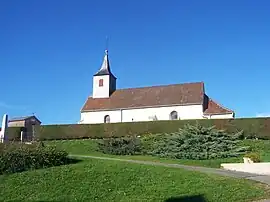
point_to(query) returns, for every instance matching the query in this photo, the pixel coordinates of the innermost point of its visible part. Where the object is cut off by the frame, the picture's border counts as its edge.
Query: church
(166, 102)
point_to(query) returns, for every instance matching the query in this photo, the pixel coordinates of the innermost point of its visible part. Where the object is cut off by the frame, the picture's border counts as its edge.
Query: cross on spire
(107, 43)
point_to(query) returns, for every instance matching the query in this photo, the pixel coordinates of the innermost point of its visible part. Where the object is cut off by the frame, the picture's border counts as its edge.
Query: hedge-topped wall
(259, 127)
(13, 134)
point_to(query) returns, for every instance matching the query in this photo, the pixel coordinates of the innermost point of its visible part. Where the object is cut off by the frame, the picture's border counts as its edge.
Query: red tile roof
(213, 107)
(177, 94)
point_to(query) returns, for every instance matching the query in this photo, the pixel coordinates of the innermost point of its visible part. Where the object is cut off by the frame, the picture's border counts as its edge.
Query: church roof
(176, 94)
(105, 67)
(212, 107)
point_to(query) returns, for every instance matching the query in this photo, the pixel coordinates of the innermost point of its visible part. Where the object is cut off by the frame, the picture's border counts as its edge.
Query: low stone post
(21, 136)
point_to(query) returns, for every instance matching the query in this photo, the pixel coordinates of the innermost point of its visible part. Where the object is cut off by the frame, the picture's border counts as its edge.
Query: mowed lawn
(101, 180)
(89, 147)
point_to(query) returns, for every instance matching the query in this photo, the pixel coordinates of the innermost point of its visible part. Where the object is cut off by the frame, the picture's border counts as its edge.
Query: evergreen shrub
(120, 146)
(194, 142)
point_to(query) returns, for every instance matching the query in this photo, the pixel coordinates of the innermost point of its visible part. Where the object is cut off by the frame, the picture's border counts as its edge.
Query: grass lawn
(101, 180)
(89, 147)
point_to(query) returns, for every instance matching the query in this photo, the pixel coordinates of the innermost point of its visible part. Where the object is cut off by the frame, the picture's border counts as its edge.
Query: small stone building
(26, 123)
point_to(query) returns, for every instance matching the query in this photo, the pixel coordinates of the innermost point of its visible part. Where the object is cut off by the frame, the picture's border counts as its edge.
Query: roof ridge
(16, 117)
(163, 85)
(20, 118)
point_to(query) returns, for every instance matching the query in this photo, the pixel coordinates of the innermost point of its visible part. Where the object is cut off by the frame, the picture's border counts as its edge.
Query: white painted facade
(148, 114)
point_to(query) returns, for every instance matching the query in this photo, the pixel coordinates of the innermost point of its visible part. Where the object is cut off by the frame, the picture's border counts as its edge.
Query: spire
(105, 67)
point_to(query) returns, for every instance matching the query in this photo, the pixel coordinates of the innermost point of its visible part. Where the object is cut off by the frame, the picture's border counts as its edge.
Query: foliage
(17, 157)
(254, 156)
(258, 127)
(194, 142)
(150, 141)
(120, 146)
(89, 147)
(77, 147)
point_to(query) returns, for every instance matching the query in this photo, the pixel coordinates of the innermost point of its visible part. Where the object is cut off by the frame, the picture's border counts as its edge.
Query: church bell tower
(104, 82)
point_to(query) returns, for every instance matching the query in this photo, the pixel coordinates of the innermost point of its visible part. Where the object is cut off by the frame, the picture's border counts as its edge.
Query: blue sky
(49, 51)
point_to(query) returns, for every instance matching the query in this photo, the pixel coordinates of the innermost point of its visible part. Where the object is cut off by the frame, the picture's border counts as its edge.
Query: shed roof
(23, 118)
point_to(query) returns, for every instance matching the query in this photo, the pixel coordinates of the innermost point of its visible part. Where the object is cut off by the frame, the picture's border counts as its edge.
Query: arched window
(173, 115)
(107, 119)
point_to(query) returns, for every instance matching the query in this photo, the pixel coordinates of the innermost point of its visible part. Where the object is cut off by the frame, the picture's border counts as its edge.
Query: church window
(107, 119)
(100, 82)
(173, 115)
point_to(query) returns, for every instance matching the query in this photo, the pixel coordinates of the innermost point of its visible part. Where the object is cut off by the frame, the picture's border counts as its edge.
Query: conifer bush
(194, 142)
(120, 146)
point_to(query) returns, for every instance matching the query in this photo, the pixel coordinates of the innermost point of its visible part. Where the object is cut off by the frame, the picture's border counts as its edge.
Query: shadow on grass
(70, 160)
(196, 198)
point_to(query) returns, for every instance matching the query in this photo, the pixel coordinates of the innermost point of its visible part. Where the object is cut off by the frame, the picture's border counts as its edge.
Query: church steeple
(105, 67)
(104, 82)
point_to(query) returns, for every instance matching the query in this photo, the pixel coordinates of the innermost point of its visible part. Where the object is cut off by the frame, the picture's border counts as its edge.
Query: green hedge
(14, 134)
(253, 127)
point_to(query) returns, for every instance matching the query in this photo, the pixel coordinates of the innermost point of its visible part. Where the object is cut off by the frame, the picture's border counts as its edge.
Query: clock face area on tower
(100, 82)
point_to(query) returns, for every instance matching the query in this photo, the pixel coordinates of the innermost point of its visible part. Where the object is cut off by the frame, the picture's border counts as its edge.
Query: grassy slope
(99, 180)
(88, 147)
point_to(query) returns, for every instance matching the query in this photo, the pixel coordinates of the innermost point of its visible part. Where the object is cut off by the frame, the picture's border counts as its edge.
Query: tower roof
(105, 67)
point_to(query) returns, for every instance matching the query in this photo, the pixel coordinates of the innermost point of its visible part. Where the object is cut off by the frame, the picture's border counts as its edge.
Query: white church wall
(98, 116)
(143, 114)
(162, 113)
(220, 116)
(101, 91)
